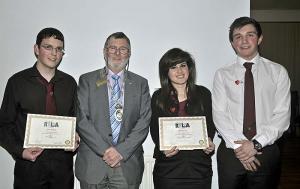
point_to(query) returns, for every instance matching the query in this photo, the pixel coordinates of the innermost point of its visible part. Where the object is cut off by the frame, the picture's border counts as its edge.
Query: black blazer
(185, 164)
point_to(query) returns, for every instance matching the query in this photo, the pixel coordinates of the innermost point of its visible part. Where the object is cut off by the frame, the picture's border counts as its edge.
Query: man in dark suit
(113, 121)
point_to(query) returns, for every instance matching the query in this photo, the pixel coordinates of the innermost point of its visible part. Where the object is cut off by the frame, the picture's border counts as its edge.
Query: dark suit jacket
(93, 125)
(185, 164)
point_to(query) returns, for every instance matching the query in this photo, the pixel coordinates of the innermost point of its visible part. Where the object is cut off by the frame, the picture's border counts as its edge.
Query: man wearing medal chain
(113, 121)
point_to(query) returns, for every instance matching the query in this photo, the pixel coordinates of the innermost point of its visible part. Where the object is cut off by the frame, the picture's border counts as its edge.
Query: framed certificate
(50, 132)
(187, 133)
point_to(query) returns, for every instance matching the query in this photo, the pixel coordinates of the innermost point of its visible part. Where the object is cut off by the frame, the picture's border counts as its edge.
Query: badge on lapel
(101, 82)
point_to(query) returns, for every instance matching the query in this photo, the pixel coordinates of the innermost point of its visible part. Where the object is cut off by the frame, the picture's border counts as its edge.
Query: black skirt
(178, 183)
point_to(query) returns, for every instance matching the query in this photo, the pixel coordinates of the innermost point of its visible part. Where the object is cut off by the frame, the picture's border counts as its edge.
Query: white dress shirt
(110, 83)
(272, 101)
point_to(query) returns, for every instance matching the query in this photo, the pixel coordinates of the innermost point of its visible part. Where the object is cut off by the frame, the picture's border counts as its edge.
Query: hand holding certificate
(50, 132)
(187, 133)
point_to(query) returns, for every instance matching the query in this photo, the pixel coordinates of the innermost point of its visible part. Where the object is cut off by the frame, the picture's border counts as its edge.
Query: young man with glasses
(113, 121)
(251, 110)
(41, 89)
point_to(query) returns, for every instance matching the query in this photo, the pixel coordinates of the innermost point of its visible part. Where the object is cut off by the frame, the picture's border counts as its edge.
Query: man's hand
(172, 152)
(77, 142)
(112, 157)
(210, 148)
(31, 153)
(246, 154)
(251, 164)
(245, 151)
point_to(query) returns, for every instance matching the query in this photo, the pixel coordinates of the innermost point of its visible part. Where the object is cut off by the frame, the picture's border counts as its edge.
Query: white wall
(154, 26)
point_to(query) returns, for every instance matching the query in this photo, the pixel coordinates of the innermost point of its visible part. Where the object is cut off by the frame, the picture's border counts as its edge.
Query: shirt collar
(110, 73)
(254, 60)
(35, 73)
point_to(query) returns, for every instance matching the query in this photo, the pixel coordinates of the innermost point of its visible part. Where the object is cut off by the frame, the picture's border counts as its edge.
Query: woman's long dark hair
(168, 100)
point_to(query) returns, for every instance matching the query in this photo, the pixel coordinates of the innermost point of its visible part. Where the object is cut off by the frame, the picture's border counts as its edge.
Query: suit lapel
(101, 97)
(129, 97)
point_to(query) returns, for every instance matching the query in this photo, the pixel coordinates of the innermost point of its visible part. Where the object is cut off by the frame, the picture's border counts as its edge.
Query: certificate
(187, 133)
(50, 132)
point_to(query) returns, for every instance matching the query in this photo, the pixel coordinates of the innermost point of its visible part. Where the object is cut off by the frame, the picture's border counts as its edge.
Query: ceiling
(274, 4)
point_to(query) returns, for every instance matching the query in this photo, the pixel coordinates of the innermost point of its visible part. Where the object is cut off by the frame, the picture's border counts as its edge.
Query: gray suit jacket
(93, 126)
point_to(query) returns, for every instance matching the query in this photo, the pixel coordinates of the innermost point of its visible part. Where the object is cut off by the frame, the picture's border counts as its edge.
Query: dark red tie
(50, 101)
(249, 126)
(50, 108)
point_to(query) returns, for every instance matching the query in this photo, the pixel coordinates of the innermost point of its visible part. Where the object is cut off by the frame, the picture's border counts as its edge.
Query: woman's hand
(210, 148)
(172, 152)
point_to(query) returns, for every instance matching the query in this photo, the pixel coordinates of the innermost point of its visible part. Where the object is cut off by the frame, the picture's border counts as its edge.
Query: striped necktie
(115, 101)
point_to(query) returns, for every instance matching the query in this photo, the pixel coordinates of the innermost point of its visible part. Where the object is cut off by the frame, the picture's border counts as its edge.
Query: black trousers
(232, 174)
(44, 174)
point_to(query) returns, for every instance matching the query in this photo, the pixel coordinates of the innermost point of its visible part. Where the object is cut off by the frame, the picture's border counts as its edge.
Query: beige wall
(281, 43)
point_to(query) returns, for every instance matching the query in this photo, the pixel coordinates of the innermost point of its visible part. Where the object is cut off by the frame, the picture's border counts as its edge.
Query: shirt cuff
(262, 140)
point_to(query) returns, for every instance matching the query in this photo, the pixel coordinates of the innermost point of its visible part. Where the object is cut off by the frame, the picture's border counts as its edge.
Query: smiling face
(179, 74)
(49, 53)
(245, 41)
(116, 54)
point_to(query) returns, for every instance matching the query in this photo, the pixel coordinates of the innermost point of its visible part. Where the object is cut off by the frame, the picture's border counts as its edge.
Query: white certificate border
(71, 145)
(183, 147)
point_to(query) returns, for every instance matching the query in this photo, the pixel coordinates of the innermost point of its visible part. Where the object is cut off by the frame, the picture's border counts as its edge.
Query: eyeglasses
(50, 48)
(114, 49)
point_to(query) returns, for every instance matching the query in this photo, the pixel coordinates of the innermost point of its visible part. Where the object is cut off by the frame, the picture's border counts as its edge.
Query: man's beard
(119, 66)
